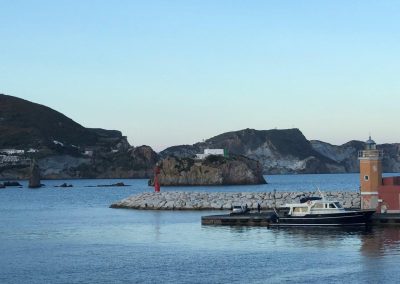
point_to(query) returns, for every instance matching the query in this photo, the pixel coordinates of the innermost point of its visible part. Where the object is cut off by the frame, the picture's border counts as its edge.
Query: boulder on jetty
(171, 200)
(213, 170)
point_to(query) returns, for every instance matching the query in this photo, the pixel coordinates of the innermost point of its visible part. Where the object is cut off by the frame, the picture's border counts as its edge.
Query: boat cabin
(314, 207)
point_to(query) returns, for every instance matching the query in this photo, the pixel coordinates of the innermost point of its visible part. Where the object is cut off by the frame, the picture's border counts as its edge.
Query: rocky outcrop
(288, 151)
(278, 151)
(12, 183)
(225, 200)
(214, 170)
(66, 149)
(136, 162)
(347, 155)
(34, 179)
(391, 157)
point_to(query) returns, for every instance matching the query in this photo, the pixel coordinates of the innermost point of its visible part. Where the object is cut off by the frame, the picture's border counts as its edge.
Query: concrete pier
(183, 200)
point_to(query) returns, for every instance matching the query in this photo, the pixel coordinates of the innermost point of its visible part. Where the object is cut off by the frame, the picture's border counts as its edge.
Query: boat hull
(349, 218)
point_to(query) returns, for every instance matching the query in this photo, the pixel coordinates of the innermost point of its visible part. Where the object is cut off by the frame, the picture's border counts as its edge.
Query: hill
(288, 151)
(278, 151)
(64, 148)
(24, 124)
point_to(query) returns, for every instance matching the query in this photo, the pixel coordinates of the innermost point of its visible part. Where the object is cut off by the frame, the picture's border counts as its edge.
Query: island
(212, 170)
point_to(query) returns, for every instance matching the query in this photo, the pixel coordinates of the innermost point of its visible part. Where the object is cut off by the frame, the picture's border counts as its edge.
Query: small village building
(88, 153)
(12, 151)
(208, 152)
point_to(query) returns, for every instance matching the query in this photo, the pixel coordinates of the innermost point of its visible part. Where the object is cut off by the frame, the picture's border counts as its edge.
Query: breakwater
(177, 200)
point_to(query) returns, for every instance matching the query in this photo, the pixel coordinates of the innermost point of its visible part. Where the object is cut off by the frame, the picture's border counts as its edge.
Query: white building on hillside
(12, 151)
(208, 152)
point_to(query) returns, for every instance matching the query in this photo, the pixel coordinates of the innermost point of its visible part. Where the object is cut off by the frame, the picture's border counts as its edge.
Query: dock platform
(267, 219)
(386, 219)
(264, 219)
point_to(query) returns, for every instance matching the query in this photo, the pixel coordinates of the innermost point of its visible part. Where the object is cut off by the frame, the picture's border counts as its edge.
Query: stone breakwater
(171, 200)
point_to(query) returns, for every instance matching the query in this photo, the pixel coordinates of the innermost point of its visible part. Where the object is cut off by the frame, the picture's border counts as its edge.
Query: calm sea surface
(55, 235)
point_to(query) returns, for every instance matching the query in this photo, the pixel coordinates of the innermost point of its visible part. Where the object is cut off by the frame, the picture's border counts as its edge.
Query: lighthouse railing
(365, 154)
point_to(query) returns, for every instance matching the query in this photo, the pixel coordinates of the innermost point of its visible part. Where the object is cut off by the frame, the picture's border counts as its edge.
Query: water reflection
(157, 225)
(369, 241)
(372, 241)
(317, 238)
(383, 240)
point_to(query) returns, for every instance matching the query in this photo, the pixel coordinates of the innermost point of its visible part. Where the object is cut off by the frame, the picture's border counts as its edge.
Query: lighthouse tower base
(369, 200)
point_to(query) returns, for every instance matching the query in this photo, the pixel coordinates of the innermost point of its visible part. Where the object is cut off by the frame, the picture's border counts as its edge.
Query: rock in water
(213, 170)
(34, 180)
(12, 183)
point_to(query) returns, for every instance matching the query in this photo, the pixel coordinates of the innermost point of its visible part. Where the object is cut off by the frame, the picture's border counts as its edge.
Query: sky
(177, 72)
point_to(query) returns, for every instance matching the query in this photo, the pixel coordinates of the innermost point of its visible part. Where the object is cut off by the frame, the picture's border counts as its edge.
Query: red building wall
(389, 193)
(391, 181)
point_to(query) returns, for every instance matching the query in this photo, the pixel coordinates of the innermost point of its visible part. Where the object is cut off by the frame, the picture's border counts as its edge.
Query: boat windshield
(338, 205)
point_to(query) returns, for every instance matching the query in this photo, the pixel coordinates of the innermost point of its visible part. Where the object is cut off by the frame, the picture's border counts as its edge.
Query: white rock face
(171, 200)
(55, 165)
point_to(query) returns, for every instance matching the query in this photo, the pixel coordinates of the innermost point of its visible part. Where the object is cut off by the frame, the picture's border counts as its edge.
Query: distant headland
(66, 149)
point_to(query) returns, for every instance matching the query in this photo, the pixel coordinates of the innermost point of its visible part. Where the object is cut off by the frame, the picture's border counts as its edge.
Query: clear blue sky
(177, 72)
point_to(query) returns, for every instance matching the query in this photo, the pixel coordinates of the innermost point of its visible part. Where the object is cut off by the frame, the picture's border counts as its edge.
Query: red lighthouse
(156, 182)
(370, 174)
(381, 194)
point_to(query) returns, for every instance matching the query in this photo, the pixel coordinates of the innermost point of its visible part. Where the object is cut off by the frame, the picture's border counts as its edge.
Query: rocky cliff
(213, 170)
(66, 149)
(347, 155)
(278, 151)
(136, 162)
(288, 151)
(391, 157)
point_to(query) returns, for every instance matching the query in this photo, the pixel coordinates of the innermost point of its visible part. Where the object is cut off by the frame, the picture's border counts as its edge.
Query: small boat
(317, 211)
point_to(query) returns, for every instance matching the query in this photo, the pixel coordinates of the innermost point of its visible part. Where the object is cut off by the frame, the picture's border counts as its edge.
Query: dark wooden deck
(265, 219)
(248, 219)
(386, 219)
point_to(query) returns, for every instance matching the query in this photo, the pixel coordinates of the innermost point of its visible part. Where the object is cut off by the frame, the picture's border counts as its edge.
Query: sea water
(69, 235)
